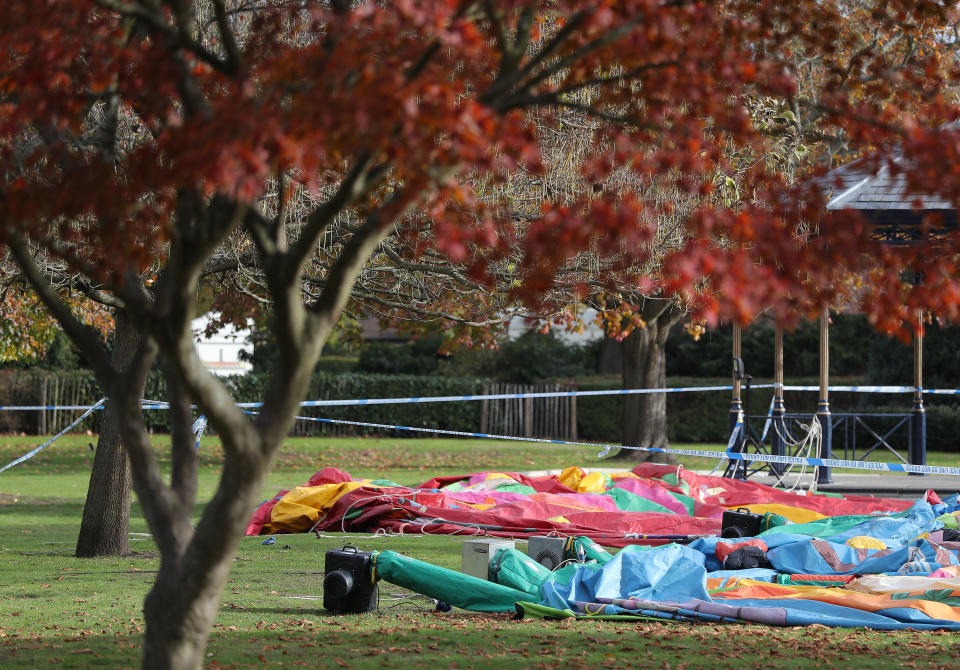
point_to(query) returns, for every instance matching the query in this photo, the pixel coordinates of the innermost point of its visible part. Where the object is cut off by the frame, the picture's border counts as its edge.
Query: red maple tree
(138, 137)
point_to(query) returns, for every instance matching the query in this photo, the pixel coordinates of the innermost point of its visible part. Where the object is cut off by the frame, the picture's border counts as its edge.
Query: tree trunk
(181, 606)
(645, 367)
(105, 526)
(195, 561)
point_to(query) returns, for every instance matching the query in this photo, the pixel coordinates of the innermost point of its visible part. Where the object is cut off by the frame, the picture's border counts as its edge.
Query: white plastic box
(477, 554)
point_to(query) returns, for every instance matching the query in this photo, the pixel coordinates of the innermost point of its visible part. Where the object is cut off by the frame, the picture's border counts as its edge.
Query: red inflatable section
(515, 505)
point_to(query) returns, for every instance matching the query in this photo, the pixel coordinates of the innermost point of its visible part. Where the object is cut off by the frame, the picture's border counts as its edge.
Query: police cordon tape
(31, 454)
(159, 404)
(200, 424)
(723, 455)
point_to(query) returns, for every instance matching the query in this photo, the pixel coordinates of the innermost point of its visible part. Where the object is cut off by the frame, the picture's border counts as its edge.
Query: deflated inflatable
(910, 583)
(851, 562)
(653, 504)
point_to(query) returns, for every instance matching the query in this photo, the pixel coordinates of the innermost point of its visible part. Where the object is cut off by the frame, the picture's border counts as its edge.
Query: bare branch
(86, 338)
(227, 36)
(361, 178)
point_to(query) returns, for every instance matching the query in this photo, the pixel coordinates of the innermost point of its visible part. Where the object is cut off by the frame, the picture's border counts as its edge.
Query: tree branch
(98, 296)
(359, 181)
(509, 76)
(227, 37)
(183, 475)
(167, 518)
(86, 338)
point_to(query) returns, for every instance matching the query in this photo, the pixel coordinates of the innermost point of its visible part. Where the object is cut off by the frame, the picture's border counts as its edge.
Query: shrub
(418, 357)
(943, 427)
(850, 337)
(464, 416)
(691, 417)
(535, 357)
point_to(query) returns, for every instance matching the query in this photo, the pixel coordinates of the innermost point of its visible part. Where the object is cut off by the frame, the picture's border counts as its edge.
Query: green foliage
(62, 354)
(891, 361)
(58, 353)
(691, 417)
(263, 356)
(533, 357)
(850, 336)
(417, 357)
(943, 427)
(337, 365)
(600, 418)
(463, 416)
(338, 353)
(470, 362)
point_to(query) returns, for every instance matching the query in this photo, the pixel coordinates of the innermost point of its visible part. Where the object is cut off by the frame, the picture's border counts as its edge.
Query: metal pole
(777, 447)
(917, 450)
(736, 406)
(823, 406)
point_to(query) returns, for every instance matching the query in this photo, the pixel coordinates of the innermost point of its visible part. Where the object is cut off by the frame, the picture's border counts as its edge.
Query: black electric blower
(349, 586)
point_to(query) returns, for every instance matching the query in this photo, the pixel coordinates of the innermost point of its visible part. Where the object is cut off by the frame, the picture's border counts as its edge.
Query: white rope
(804, 446)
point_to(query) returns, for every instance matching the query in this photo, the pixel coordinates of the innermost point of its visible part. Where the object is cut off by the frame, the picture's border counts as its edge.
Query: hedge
(691, 417)
(463, 416)
(30, 387)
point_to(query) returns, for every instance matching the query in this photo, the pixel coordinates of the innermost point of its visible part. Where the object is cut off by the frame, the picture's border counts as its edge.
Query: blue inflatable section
(671, 581)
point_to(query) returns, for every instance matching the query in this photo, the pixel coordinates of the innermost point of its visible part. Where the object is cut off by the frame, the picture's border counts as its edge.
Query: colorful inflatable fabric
(653, 504)
(911, 584)
(672, 582)
(851, 561)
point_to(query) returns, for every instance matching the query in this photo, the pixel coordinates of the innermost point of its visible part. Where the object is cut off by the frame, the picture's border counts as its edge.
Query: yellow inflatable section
(303, 506)
(794, 514)
(575, 478)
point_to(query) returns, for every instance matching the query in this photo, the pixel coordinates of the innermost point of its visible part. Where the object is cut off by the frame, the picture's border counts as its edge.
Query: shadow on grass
(469, 641)
(44, 507)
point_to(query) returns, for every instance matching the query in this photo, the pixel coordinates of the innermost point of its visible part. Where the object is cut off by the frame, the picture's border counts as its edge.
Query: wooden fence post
(573, 417)
(528, 417)
(485, 411)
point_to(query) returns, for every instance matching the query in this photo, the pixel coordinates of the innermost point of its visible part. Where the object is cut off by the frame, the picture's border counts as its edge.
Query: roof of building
(859, 185)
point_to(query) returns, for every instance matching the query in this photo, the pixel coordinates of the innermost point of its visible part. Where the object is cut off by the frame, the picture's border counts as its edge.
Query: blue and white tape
(53, 439)
(198, 427)
(722, 455)
(158, 404)
(200, 424)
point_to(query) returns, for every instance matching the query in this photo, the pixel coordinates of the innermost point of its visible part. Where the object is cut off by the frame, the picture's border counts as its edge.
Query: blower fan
(549, 552)
(348, 583)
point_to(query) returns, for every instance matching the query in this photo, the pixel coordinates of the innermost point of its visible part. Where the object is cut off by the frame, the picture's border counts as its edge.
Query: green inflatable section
(949, 521)
(631, 502)
(822, 527)
(536, 611)
(515, 569)
(591, 551)
(445, 585)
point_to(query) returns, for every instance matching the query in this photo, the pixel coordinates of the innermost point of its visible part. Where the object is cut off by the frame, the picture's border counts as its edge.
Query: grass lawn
(56, 610)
